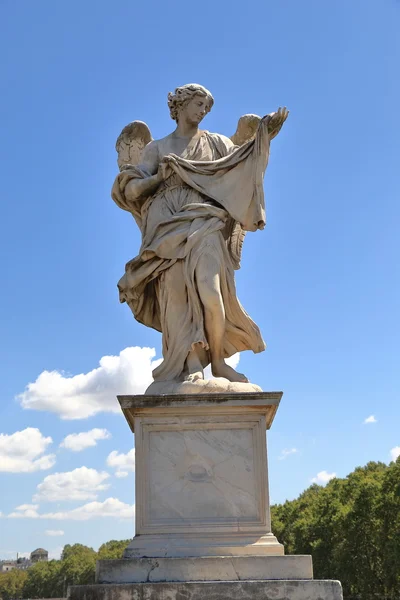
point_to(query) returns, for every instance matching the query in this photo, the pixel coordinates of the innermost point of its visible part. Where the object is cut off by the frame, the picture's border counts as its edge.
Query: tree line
(77, 566)
(351, 527)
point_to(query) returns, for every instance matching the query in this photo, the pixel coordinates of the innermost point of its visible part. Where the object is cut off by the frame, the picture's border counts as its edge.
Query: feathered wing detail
(130, 143)
(129, 146)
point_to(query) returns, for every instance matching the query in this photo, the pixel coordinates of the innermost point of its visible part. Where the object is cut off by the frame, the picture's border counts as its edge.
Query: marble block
(216, 568)
(201, 474)
(211, 590)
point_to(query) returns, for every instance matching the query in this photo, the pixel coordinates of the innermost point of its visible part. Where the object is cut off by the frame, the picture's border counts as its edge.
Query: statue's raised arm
(193, 194)
(248, 124)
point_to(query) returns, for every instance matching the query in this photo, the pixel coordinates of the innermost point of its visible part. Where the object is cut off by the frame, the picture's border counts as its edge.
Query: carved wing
(130, 143)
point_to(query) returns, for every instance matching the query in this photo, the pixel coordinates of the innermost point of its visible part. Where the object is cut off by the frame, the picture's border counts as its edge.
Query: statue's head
(191, 101)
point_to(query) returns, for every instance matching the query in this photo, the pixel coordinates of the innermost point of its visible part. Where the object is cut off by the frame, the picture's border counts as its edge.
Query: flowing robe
(215, 188)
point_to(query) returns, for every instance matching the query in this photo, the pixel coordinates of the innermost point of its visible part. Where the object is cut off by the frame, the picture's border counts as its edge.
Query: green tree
(51, 579)
(112, 549)
(44, 580)
(360, 559)
(389, 541)
(76, 549)
(78, 565)
(352, 529)
(12, 584)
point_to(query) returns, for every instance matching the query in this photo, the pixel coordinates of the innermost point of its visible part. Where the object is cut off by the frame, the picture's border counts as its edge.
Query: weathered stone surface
(197, 545)
(201, 475)
(218, 568)
(219, 385)
(144, 405)
(213, 590)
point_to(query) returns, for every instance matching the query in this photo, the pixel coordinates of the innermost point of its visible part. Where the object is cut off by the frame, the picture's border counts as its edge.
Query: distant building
(7, 566)
(39, 555)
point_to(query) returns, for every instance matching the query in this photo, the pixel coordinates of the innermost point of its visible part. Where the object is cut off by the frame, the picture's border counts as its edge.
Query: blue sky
(322, 280)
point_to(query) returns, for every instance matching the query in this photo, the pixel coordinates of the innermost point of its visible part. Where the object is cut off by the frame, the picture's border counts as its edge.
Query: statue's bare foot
(194, 368)
(194, 376)
(221, 369)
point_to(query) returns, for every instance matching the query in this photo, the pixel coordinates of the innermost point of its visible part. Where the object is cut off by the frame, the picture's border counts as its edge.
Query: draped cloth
(214, 192)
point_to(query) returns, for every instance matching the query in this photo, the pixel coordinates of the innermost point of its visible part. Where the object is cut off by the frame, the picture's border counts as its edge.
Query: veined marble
(201, 475)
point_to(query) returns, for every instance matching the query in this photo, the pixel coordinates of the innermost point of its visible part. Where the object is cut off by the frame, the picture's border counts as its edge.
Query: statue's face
(195, 110)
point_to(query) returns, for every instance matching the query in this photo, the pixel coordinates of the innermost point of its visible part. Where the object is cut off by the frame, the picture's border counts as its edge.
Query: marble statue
(194, 195)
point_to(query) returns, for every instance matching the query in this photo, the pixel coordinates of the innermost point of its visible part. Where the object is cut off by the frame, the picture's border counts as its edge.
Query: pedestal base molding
(207, 545)
(218, 568)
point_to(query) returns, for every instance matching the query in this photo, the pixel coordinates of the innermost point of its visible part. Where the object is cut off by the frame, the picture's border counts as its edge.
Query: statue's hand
(276, 120)
(164, 170)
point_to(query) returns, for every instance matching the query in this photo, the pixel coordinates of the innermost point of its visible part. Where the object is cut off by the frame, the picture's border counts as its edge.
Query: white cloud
(87, 394)
(84, 395)
(79, 441)
(80, 484)
(111, 507)
(395, 453)
(20, 452)
(122, 462)
(54, 532)
(323, 477)
(287, 452)
(370, 419)
(25, 511)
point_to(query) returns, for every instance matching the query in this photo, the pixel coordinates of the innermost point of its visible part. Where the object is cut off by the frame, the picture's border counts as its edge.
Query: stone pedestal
(201, 474)
(203, 527)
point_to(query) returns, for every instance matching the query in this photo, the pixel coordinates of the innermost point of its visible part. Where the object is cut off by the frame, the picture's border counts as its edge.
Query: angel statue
(193, 195)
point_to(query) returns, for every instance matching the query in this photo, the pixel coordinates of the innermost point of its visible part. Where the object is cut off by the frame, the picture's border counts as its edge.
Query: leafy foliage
(352, 529)
(51, 579)
(12, 584)
(112, 549)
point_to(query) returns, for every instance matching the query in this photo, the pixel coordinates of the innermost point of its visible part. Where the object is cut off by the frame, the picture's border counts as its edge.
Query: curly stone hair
(183, 95)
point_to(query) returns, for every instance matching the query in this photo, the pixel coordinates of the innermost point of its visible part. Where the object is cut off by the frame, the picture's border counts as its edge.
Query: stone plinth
(201, 474)
(216, 568)
(211, 590)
